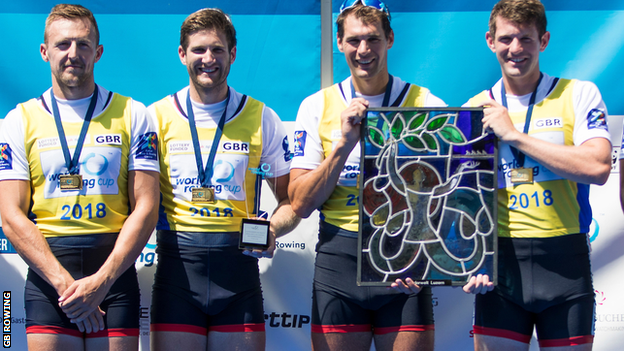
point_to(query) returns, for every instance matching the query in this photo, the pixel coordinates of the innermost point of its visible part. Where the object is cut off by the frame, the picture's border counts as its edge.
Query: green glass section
(397, 128)
(432, 144)
(451, 134)
(436, 123)
(414, 141)
(417, 121)
(375, 137)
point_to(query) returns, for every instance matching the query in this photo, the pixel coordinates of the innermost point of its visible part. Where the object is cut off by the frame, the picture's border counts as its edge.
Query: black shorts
(204, 283)
(544, 283)
(340, 306)
(81, 256)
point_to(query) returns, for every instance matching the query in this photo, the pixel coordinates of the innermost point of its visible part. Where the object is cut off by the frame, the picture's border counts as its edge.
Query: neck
(372, 86)
(521, 86)
(208, 96)
(73, 93)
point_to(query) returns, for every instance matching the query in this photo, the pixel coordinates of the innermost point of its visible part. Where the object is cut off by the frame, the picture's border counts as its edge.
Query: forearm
(308, 190)
(284, 219)
(34, 250)
(589, 163)
(132, 238)
(136, 230)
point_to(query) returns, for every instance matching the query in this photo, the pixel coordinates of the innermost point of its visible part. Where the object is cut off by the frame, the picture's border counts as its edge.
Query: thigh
(497, 316)
(335, 313)
(210, 284)
(53, 342)
(407, 340)
(237, 341)
(359, 341)
(243, 314)
(82, 256)
(175, 341)
(494, 343)
(404, 313)
(172, 313)
(122, 306)
(338, 303)
(567, 324)
(126, 343)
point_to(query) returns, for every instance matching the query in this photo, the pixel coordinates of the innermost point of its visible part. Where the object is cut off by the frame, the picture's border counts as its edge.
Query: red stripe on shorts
(182, 328)
(341, 328)
(238, 328)
(403, 328)
(571, 341)
(502, 333)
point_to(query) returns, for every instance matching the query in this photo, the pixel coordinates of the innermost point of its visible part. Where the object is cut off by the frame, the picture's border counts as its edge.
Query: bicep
(143, 188)
(14, 198)
(600, 148)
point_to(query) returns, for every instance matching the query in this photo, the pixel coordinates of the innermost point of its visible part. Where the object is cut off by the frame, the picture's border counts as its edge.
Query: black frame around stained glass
(427, 197)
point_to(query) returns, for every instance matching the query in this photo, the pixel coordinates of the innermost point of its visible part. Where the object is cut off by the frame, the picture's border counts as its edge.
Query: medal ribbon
(205, 174)
(527, 123)
(72, 163)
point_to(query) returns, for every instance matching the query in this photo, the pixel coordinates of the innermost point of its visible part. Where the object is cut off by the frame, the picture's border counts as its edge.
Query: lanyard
(386, 99)
(205, 174)
(72, 163)
(527, 123)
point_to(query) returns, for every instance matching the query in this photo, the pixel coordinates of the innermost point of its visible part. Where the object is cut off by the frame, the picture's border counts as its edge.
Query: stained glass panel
(427, 196)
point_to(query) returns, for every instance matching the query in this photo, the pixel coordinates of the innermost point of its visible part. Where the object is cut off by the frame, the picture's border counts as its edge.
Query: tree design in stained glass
(428, 196)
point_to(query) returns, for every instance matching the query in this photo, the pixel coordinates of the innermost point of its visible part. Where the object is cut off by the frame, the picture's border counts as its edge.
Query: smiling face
(207, 59)
(517, 48)
(365, 47)
(72, 51)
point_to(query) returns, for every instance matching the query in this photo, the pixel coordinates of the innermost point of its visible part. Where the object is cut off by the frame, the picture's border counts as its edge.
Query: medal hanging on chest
(521, 174)
(205, 193)
(73, 180)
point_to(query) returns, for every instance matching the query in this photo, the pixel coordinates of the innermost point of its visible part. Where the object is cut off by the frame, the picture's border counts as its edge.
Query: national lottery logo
(597, 118)
(6, 158)
(300, 140)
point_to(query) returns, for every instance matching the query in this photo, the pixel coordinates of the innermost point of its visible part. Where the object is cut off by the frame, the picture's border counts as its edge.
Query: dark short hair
(368, 15)
(520, 12)
(71, 12)
(208, 19)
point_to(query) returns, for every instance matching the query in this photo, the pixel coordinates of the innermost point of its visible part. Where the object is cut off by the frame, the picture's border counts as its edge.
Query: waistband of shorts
(198, 239)
(83, 241)
(569, 244)
(331, 230)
